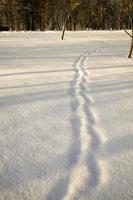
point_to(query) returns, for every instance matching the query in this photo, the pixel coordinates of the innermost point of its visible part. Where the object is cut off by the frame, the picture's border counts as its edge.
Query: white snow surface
(66, 116)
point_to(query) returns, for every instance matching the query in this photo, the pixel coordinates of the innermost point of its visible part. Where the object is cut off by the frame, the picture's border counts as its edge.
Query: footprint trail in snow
(87, 170)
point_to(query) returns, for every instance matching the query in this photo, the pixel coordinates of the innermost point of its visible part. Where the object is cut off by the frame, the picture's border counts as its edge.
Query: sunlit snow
(66, 116)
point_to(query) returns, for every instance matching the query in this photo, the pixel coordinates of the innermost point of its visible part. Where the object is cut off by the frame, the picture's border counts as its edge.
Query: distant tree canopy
(52, 14)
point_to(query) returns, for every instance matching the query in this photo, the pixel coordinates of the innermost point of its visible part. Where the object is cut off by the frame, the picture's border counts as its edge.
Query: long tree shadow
(31, 97)
(36, 72)
(112, 67)
(14, 175)
(118, 145)
(115, 83)
(114, 77)
(110, 87)
(33, 85)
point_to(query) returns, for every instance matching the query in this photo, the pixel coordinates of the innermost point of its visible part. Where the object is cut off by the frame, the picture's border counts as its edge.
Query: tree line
(74, 14)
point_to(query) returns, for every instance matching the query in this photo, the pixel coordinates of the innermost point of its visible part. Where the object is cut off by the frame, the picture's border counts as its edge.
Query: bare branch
(127, 33)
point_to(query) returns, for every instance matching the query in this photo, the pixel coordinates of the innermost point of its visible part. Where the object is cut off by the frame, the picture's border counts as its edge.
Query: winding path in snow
(87, 169)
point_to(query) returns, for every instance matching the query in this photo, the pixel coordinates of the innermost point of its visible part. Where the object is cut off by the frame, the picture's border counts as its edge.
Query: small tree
(131, 36)
(129, 12)
(72, 7)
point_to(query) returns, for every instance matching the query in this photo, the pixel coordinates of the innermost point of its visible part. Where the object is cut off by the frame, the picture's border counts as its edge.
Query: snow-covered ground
(66, 116)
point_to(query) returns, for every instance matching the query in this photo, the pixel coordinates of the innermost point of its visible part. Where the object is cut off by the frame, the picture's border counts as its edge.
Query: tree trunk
(65, 25)
(131, 48)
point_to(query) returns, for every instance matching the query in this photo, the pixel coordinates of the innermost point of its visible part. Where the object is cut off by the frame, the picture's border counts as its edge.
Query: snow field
(66, 119)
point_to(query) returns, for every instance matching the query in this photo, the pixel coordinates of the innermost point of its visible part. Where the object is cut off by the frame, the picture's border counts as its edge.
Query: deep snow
(66, 116)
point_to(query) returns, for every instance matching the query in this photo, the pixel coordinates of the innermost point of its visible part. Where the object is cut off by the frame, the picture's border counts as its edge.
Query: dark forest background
(52, 14)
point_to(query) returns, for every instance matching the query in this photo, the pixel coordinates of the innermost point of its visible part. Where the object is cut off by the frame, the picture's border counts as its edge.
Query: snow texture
(66, 116)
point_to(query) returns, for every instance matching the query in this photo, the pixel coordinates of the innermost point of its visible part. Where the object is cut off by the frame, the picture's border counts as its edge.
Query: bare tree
(131, 36)
(72, 7)
(130, 14)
